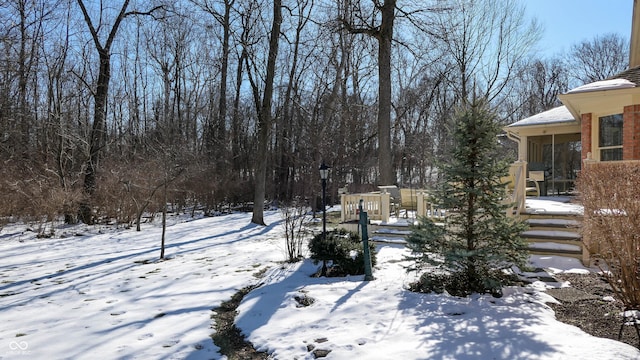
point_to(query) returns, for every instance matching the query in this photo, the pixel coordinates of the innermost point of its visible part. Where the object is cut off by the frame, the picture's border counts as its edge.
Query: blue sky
(567, 22)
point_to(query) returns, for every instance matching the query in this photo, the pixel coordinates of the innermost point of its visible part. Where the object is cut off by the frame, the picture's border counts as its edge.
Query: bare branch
(147, 13)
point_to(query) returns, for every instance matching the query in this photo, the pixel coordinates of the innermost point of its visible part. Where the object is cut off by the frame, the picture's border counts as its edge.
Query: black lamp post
(324, 174)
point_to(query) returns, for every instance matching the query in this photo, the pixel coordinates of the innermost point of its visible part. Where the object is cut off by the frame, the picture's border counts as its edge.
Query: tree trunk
(265, 120)
(385, 35)
(221, 130)
(164, 221)
(284, 131)
(98, 132)
(236, 130)
(23, 126)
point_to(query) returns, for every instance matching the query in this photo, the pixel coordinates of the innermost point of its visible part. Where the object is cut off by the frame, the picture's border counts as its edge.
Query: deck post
(343, 206)
(385, 203)
(519, 172)
(587, 246)
(421, 209)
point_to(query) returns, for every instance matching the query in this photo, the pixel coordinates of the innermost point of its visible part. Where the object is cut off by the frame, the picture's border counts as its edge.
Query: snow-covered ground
(552, 205)
(100, 293)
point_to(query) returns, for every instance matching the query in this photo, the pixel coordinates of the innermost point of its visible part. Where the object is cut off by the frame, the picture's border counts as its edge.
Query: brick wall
(631, 133)
(586, 135)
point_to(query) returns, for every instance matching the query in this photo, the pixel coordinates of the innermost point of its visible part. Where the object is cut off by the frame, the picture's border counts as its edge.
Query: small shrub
(457, 283)
(611, 225)
(343, 249)
(430, 283)
(294, 215)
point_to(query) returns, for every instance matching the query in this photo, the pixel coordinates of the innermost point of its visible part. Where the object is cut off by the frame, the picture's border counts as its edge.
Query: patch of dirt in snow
(591, 306)
(228, 337)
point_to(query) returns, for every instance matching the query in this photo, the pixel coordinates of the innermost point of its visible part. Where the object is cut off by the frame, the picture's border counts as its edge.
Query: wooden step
(552, 224)
(554, 237)
(549, 248)
(550, 235)
(551, 216)
(390, 232)
(555, 247)
(388, 239)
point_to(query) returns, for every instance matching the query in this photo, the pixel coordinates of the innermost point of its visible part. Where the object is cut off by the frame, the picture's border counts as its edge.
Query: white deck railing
(379, 207)
(376, 205)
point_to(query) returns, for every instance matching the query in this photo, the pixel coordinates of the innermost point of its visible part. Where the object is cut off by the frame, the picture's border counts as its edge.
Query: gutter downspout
(516, 138)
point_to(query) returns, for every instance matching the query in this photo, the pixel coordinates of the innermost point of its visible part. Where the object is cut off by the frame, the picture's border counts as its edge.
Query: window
(610, 136)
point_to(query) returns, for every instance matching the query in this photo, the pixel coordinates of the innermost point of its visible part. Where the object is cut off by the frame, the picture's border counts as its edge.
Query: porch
(551, 145)
(553, 221)
(390, 203)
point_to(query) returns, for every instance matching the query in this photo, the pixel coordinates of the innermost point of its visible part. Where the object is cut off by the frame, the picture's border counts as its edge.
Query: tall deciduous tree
(598, 58)
(216, 130)
(383, 33)
(539, 83)
(265, 119)
(288, 131)
(484, 41)
(97, 139)
(98, 135)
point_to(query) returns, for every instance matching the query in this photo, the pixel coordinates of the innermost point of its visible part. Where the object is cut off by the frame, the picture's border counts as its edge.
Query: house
(598, 122)
(549, 141)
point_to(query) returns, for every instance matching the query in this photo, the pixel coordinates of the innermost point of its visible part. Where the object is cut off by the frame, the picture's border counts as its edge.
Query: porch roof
(557, 115)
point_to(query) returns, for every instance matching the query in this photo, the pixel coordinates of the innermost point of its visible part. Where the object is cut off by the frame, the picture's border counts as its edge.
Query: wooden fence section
(379, 206)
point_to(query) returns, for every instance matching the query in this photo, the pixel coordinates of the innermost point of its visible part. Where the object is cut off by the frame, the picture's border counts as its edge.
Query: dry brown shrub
(111, 200)
(125, 188)
(34, 193)
(203, 189)
(611, 201)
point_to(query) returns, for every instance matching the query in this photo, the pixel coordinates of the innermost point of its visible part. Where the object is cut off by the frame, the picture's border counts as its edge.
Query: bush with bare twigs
(611, 225)
(294, 216)
(35, 195)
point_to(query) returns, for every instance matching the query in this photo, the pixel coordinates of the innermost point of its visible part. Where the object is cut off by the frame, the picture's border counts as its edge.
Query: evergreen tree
(478, 239)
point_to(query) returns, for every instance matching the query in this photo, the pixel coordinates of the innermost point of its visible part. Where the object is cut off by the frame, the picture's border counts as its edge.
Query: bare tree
(265, 120)
(23, 29)
(97, 139)
(598, 58)
(294, 216)
(98, 136)
(287, 133)
(216, 131)
(357, 23)
(484, 41)
(538, 85)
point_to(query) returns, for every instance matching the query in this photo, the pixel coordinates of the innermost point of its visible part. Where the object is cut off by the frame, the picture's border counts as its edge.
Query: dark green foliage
(343, 249)
(477, 239)
(456, 283)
